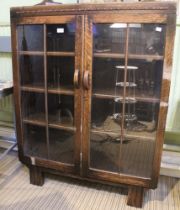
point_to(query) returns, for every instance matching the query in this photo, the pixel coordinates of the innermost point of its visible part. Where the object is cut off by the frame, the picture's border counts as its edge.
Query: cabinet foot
(135, 196)
(36, 176)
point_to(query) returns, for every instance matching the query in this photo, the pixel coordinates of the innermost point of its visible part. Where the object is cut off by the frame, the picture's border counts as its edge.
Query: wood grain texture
(130, 18)
(135, 196)
(165, 87)
(36, 176)
(46, 19)
(119, 178)
(85, 8)
(78, 108)
(46, 88)
(16, 90)
(87, 96)
(62, 167)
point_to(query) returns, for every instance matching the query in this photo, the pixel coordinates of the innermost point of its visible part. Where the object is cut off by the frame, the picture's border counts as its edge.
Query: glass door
(50, 72)
(124, 68)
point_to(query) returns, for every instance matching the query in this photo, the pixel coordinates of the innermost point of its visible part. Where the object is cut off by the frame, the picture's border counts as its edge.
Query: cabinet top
(62, 9)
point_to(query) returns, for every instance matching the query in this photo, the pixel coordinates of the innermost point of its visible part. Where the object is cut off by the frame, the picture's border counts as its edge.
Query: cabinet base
(36, 176)
(135, 196)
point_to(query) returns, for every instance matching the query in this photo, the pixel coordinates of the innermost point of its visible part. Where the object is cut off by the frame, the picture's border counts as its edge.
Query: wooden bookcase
(91, 87)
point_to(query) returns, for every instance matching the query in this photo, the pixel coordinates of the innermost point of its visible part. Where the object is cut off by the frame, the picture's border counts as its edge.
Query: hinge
(81, 157)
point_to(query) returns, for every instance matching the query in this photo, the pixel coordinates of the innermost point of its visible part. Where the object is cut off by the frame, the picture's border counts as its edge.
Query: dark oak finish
(170, 34)
(135, 196)
(87, 95)
(91, 150)
(36, 175)
(168, 7)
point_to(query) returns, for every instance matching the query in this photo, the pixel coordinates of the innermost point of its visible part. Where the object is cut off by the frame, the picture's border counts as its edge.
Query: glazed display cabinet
(91, 86)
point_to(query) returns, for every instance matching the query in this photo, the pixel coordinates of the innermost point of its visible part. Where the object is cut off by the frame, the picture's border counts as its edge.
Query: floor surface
(69, 194)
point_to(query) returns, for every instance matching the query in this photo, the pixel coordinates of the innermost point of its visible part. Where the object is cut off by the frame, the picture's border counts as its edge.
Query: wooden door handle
(76, 78)
(86, 80)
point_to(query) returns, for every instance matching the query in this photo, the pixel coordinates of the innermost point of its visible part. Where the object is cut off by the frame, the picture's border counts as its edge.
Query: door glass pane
(33, 106)
(144, 75)
(35, 141)
(146, 39)
(61, 117)
(30, 38)
(60, 75)
(32, 70)
(60, 72)
(109, 38)
(106, 107)
(125, 99)
(61, 37)
(61, 109)
(136, 157)
(61, 145)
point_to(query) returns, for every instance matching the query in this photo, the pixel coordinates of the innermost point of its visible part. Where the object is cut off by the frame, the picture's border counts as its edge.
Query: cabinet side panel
(16, 88)
(170, 33)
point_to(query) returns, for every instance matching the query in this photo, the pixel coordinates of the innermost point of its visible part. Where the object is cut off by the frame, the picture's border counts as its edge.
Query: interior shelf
(35, 119)
(39, 119)
(137, 130)
(30, 88)
(109, 94)
(130, 56)
(48, 53)
(40, 89)
(130, 135)
(61, 121)
(61, 126)
(31, 52)
(61, 53)
(68, 90)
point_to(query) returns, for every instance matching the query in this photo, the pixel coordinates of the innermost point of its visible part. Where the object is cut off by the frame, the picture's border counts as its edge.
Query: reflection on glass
(61, 37)
(30, 37)
(61, 145)
(125, 99)
(147, 77)
(104, 151)
(105, 75)
(146, 95)
(60, 72)
(61, 109)
(33, 106)
(146, 39)
(109, 38)
(137, 157)
(32, 70)
(105, 135)
(35, 141)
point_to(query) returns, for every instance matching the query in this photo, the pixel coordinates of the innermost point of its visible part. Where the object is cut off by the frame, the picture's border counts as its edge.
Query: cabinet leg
(135, 196)
(36, 176)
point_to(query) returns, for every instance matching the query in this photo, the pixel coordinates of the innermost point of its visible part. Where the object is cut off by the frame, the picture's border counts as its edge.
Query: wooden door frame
(43, 20)
(164, 98)
(127, 17)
